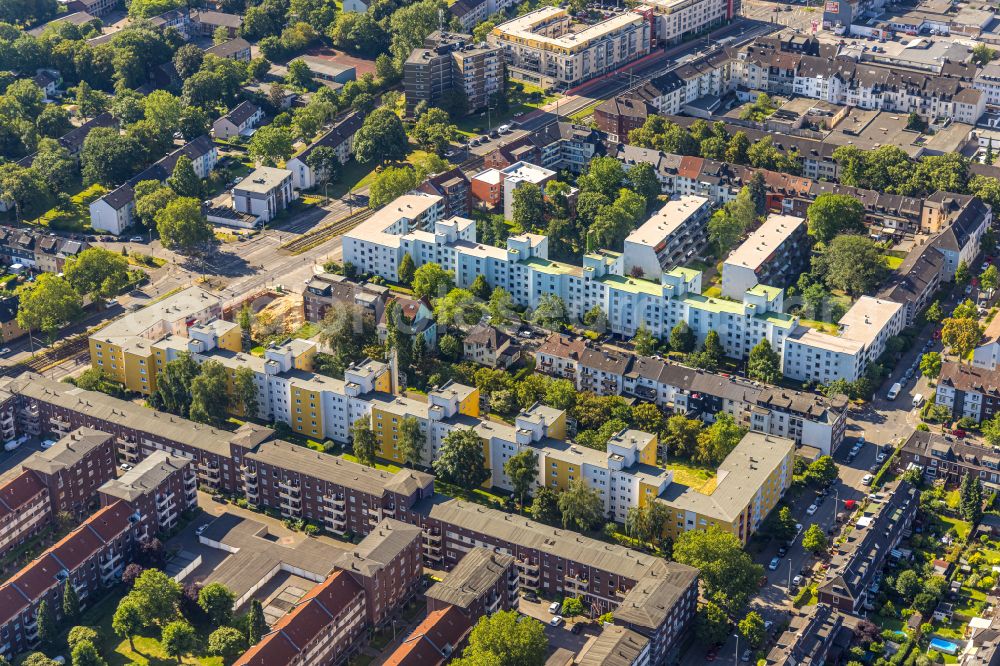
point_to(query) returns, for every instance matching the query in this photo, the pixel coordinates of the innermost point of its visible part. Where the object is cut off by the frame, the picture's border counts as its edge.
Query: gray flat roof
(478, 571)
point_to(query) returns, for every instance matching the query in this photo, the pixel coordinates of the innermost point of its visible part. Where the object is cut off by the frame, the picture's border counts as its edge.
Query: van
(894, 391)
(918, 400)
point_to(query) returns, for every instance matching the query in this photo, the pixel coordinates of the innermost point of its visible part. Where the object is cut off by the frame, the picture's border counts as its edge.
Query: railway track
(308, 241)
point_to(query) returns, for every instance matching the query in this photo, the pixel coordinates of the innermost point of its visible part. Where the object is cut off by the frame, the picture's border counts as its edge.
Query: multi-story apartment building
(652, 597)
(435, 640)
(377, 246)
(37, 251)
(616, 645)
(159, 489)
(340, 139)
(774, 254)
(326, 289)
(860, 558)
(320, 629)
(546, 48)
(74, 468)
(90, 557)
(945, 458)
(671, 237)
(557, 146)
(452, 63)
(679, 20)
(968, 391)
(518, 174)
(453, 187)
(810, 637)
(810, 355)
(647, 594)
(388, 565)
(114, 212)
(987, 354)
(749, 483)
(482, 583)
(806, 417)
(239, 122)
(621, 114)
(264, 193)
(915, 282)
(24, 509)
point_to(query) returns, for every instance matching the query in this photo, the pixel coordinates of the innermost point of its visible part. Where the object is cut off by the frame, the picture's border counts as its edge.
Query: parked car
(811, 510)
(135, 239)
(554, 607)
(556, 621)
(4, 351)
(775, 561)
(867, 479)
(577, 628)
(797, 581)
(200, 530)
(125, 467)
(782, 550)
(746, 655)
(531, 596)
(48, 444)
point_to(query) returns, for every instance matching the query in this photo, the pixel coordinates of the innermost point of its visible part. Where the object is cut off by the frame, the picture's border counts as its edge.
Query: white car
(554, 607)
(797, 581)
(48, 444)
(136, 239)
(556, 621)
(125, 467)
(812, 509)
(4, 351)
(867, 479)
(238, 180)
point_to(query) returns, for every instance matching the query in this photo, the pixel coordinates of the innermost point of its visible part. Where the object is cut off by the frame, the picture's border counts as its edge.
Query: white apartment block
(377, 246)
(545, 48)
(677, 20)
(673, 234)
(810, 355)
(518, 174)
(766, 257)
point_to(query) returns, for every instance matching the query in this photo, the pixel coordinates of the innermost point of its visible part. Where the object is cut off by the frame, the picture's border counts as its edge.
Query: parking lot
(561, 636)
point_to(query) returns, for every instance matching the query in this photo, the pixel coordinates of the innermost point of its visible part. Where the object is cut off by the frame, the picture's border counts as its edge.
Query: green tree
(822, 471)
(711, 624)
(718, 440)
(643, 342)
(962, 273)
(642, 180)
(961, 336)
(411, 441)
(571, 607)
(226, 642)
(129, 618)
(581, 507)
(500, 306)
(365, 444)
(450, 347)
(971, 498)
(255, 623)
(989, 278)
(682, 338)
(930, 365)
(299, 75)
(528, 209)
(85, 654)
(432, 281)
(604, 175)
(480, 288)
(150, 197)
(458, 307)
(179, 639)
(728, 573)
(833, 214)
(82, 634)
(966, 310)
(853, 264)
(209, 394)
(550, 312)
(545, 506)
(764, 364)
(783, 528)
(217, 601)
(505, 638)
(983, 54)
(522, 470)
(324, 163)
(560, 393)
(933, 313)
(681, 436)
(390, 183)
(245, 392)
(908, 585)
(814, 539)
(70, 602)
(182, 226)
(752, 628)
(173, 384)
(97, 273)
(270, 144)
(381, 137)
(48, 629)
(433, 130)
(406, 269)
(184, 181)
(460, 461)
(47, 304)
(157, 594)
(647, 417)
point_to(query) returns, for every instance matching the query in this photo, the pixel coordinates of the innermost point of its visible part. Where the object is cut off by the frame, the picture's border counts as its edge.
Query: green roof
(687, 274)
(632, 285)
(764, 290)
(552, 267)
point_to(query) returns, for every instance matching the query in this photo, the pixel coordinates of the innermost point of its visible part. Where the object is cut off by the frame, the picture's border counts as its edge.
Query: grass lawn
(76, 217)
(306, 331)
(952, 499)
(971, 602)
(893, 262)
(585, 112)
(890, 623)
(961, 527)
(524, 98)
(354, 175)
(713, 292)
(149, 651)
(385, 467)
(479, 495)
(819, 325)
(700, 478)
(954, 630)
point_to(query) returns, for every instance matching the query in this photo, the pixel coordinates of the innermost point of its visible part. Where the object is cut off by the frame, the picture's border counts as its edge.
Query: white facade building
(674, 233)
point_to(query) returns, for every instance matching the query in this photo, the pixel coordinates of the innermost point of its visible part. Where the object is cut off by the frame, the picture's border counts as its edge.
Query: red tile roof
(37, 578)
(12, 602)
(307, 620)
(19, 492)
(111, 521)
(562, 346)
(74, 548)
(690, 167)
(425, 646)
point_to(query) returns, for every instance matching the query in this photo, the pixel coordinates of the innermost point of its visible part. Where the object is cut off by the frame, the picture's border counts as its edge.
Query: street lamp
(737, 659)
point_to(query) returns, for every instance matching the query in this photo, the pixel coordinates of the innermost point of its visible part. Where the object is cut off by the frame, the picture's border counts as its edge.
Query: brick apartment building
(482, 583)
(945, 458)
(74, 468)
(159, 489)
(24, 509)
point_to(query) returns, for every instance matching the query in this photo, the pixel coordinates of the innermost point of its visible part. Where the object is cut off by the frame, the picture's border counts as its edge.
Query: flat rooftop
(765, 240)
(185, 304)
(576, 35)
(667, 220)
(263, 180)
(526, 171)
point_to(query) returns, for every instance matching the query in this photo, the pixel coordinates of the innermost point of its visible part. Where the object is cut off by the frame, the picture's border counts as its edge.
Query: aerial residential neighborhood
(517, 333)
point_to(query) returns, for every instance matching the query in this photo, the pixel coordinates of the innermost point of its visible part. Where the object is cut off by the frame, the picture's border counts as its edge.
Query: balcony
(30, 411)
(337, 525)
(248, 472)
(432, 537)
(164, 502)
(494, 605)
(289, 493)
(335, 501)
(528, 566)
(59, 423)
(577, 582)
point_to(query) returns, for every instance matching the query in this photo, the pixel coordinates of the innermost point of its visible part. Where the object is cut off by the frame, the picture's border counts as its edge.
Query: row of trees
(201, 392)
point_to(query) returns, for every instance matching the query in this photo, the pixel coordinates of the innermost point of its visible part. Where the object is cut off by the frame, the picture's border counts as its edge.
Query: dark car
(577, 628)
(532, 597)
(782, 551)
